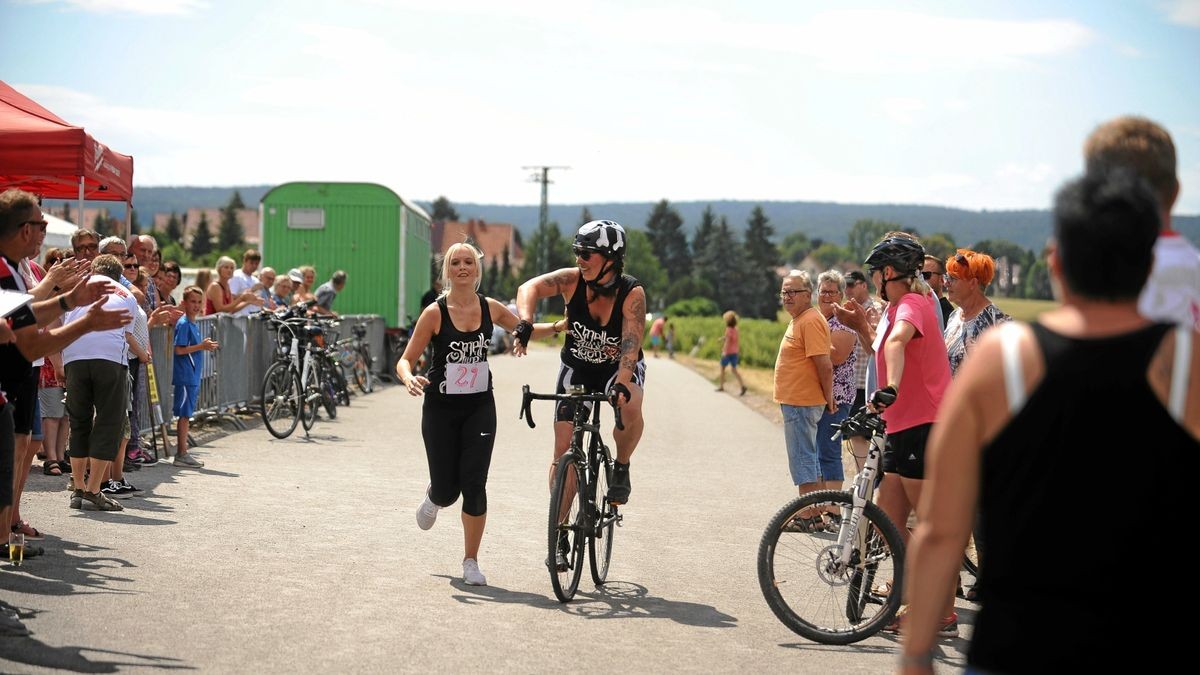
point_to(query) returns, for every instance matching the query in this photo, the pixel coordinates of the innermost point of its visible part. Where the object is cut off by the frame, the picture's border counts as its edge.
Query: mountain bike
(825, 555)
(580, 515)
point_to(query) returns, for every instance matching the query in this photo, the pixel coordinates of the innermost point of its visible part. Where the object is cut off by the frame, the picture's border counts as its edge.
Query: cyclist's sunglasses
(583, 253)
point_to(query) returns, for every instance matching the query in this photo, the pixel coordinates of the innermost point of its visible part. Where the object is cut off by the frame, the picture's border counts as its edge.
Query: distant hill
(822, 220)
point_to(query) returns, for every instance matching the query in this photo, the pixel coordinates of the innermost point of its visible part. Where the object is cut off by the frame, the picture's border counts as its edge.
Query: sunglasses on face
(131, 266)
(583, 253)
(928, 275)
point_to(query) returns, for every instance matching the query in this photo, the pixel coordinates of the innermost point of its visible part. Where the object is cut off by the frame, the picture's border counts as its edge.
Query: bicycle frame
(862, 491)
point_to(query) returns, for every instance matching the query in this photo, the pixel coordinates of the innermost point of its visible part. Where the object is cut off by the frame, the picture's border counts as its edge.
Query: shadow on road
(58, 574)
(614, 600)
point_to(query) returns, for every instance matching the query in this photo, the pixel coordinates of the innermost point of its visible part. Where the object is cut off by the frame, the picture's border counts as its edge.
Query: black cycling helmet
(607, 238)
(905, 255)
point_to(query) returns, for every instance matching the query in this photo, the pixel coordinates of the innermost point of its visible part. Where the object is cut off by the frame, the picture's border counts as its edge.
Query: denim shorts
(730, 360)
(829, 451)
(800, 434)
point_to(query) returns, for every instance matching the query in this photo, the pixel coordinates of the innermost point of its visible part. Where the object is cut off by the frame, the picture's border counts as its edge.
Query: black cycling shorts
(904, 453)
(568, 376)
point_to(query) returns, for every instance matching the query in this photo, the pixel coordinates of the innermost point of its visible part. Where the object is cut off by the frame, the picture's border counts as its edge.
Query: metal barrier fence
(231, 380)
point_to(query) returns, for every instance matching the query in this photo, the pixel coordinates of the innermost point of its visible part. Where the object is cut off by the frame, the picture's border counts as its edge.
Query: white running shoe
(427, 513)
(471, 573)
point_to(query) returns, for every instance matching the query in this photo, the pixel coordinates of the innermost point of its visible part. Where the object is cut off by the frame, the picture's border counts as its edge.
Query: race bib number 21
(466, 378)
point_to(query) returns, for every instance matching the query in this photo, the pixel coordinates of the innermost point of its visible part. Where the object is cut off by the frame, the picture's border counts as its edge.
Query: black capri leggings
(459, 433)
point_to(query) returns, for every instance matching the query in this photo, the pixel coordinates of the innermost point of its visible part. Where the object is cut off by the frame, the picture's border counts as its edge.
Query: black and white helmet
(605, 237)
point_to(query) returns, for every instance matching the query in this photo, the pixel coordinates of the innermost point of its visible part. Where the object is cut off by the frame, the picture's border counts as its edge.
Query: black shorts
(904, 453)
(595, 382)
(24, 400)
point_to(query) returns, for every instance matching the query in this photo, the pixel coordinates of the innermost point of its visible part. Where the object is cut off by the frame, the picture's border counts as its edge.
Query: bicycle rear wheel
(567, 529)
(810, 591)
(363, 376)
(281, 400)
(600, 544)
(308, 411)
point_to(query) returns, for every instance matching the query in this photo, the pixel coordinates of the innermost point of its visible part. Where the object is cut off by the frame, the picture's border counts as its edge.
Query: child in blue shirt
(189, 364)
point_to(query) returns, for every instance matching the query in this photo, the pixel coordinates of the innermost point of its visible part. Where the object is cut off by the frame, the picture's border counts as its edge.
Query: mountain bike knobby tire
(809, 593)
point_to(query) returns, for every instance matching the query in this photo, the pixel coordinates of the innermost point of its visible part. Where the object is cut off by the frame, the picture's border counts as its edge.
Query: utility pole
(542, 175)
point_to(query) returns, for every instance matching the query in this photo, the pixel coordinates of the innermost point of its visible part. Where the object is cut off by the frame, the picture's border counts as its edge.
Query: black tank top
(1084, 544)
(592, 349)
(452, 346)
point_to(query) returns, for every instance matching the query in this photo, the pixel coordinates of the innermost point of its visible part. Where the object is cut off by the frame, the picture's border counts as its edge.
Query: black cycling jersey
(452, 346)
(592, 349)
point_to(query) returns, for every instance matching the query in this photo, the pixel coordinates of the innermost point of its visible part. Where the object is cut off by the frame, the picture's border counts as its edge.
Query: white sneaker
(427, 513)
(187, 460)
(471, 573)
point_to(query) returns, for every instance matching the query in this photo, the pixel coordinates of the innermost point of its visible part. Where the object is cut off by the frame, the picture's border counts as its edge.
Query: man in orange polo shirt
(803, 379)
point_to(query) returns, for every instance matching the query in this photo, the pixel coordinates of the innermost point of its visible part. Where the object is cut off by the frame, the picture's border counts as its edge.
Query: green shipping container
(380, 239)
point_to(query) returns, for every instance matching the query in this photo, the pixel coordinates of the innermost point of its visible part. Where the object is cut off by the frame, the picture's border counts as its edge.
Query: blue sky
(976, 105)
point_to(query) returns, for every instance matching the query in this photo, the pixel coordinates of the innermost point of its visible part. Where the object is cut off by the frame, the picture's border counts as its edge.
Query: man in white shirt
(1172, 293)
(243, 280)
(98, 385)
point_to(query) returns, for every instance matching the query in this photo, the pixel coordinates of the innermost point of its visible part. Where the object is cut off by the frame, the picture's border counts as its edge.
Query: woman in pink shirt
(729, 351)
(910, 357)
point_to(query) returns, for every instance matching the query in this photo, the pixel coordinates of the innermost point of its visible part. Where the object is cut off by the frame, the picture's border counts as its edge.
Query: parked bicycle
(831, 563)
(291, 388)
(580, 516)
(354, 356)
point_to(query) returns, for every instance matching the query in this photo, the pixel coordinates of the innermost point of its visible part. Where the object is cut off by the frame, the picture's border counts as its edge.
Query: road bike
(831, 563)
(354, 356)
(580, 514)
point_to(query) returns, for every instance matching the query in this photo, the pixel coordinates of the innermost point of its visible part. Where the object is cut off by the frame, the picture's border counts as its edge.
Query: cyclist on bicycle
(606, 318)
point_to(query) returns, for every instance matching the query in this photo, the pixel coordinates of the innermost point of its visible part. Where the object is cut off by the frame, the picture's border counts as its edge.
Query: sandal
(51, 468)
(64, 466)
(805, 525)
(30, 532)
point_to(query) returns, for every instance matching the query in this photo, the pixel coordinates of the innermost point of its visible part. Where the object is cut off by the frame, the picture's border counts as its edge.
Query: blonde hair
(1138, 144)
(454, 248)
(223, 261)
(730, 318)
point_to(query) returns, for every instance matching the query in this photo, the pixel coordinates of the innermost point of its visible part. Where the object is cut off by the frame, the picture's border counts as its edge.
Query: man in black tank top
(606, 319)
(1008, 438)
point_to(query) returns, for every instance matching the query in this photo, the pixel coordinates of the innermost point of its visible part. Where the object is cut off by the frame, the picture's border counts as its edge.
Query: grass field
(1022, 309)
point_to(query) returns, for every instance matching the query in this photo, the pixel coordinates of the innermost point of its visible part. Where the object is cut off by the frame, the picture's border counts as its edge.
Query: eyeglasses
(88, 248)
(830, 293)
(789, 294)
(41, 224)
(131, 266)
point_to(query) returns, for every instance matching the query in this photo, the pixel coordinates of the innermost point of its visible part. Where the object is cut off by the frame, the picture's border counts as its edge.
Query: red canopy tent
(43, 154)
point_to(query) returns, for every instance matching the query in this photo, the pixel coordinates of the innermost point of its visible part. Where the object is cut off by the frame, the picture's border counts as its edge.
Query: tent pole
(79, 214)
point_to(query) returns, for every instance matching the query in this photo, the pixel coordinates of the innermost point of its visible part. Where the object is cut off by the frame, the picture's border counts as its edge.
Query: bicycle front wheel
(363, 376)
(308, 410)
(567, 529)
(600, 544)
(281, 400)
(806, 585)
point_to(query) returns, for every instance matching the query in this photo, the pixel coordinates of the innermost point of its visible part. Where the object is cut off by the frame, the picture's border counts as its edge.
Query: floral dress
(844, 382)
(961, 335)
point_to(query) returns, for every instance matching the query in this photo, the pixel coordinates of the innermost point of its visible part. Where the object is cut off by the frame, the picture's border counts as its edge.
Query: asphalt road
(304, 554)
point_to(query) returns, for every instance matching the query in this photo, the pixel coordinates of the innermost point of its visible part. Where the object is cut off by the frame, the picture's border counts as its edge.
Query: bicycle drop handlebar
(528, 396)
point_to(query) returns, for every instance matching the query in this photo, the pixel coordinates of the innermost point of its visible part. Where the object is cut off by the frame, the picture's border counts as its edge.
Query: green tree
(134, 226)
(795, 248)
(174, 229)
(1010, 259)
(547, 251)
(864, 234)
(727, 269)
(830, 255)
(1037, 281)
(443, 209)
(939, 245)
(665, 229)
(67, 211)
(230, 233)
(100, 225)
(585, 216)
(506, 283)
(491, 279)
(236, 200)
(202, 243)
(762, 257)
(704, 232)
(641, 264)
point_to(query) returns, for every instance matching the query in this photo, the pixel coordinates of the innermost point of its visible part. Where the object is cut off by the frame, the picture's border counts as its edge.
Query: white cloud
(1183, 12)
(903, 110)
(152, 7)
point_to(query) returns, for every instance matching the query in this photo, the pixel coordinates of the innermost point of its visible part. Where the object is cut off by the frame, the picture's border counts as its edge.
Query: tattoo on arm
(634, 328)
